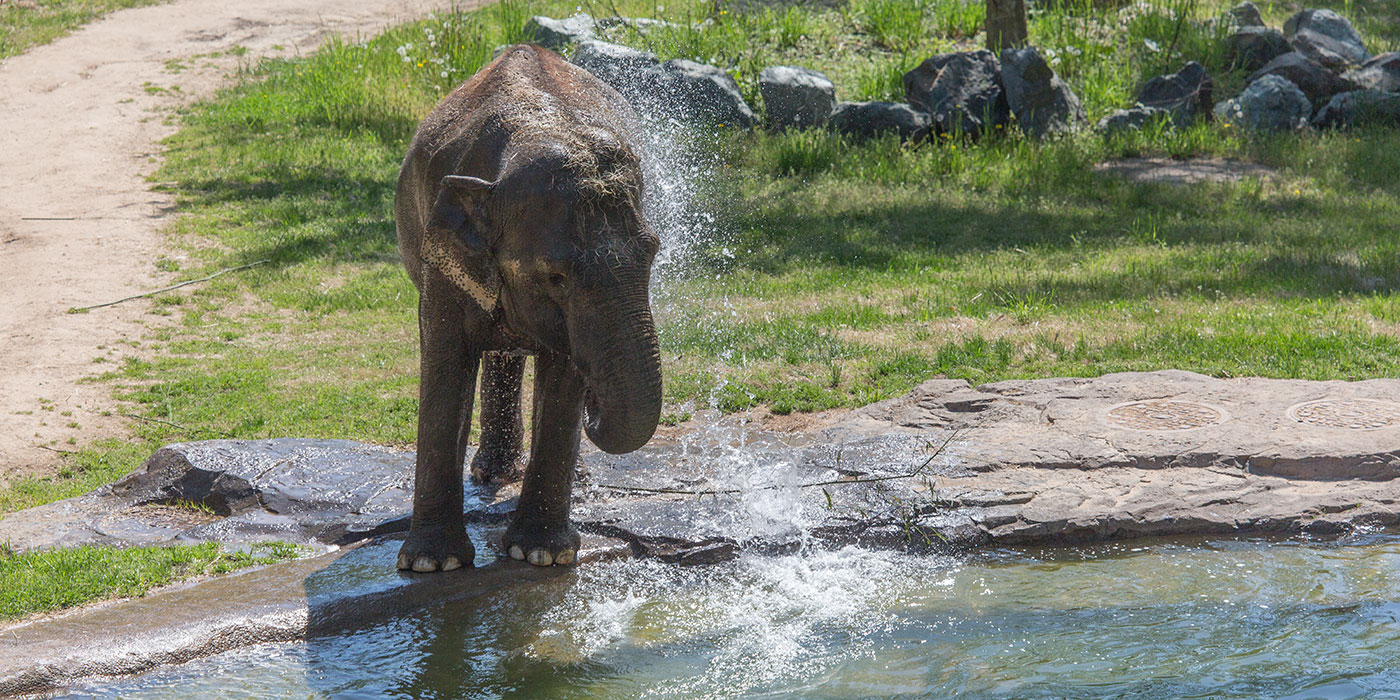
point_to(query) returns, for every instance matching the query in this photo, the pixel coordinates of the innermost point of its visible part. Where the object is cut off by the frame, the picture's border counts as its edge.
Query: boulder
(1131, 119)
(635, 74)
(918, 83)
(1271, 103)
(796, 97)
(965, 94)
(702, 92)
(1244, 14)
(1185, 93)
(1348, 109)
(1318, 83)
(867, 119)
(1251, 48)
(1380, 73)
(1326, 37)
(1043, 104)
(680, 89)
(641, 24)
(557, 33)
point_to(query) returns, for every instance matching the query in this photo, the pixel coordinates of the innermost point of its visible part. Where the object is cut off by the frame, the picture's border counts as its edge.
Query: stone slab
(349, 588)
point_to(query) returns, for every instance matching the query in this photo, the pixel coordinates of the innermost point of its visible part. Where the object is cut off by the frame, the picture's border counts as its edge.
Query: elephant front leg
(497, 459)
(540, 531)
(437, 535)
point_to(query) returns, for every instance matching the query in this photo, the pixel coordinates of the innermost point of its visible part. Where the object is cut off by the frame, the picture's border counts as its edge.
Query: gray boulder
(1380, 73)
(796, 97)
(557, 33)
(635, 74)
(1043, 104)
(1132, 119)
(680, 89)
(1318, 83)
(962, 92)
(1359, 107)
(1271, 103)
(1251, 48)
(918, 83)
(701, 92)
(1244, 14)
(1185, 93)
(1326, 37)
(868, 119)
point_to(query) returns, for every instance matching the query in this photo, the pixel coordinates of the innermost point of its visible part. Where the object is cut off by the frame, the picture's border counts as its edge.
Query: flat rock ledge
(947, 466)
(1054, 461)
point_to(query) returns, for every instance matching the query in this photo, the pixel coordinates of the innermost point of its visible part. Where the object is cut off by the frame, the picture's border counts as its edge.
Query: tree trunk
(1006, 24)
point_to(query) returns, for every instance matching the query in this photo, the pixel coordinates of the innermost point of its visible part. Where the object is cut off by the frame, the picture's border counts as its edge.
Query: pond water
(1164, 619)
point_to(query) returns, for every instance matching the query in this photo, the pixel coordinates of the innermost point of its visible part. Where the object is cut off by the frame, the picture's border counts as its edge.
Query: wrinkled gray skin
(519, 220)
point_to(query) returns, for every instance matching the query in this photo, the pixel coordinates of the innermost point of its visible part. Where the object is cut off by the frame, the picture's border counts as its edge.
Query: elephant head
(559, 242)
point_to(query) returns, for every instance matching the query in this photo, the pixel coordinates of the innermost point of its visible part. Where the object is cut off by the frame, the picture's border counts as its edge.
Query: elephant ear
(457, 242)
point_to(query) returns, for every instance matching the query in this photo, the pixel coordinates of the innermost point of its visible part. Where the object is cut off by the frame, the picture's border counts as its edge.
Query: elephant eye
(557, 279)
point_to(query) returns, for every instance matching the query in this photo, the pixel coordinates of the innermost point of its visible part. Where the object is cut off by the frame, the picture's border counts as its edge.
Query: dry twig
(186, 283)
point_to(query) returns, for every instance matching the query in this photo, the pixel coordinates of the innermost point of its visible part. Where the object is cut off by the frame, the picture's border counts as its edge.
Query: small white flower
(1151, 45)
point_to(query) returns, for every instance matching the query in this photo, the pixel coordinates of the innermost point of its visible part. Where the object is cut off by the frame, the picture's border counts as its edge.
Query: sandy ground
(80, 125)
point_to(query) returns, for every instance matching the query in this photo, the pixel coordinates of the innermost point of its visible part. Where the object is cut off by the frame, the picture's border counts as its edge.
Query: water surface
(1164, 619)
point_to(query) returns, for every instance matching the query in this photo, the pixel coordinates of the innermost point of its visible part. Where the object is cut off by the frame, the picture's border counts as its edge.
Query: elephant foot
(496, 467)
(542, 544)
(429, 549)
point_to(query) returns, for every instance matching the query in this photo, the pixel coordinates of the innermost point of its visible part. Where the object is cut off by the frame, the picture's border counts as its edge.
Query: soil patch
(79, 132)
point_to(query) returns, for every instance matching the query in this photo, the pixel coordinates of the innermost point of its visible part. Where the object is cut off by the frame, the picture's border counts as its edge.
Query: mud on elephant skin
(520, 221)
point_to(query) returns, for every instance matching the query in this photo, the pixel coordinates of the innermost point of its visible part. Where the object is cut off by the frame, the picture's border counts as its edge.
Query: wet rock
(1132, 119)
(701, 92)
(637, 75)
(678, 89)
(558, 33)
(1270, 103)
(1245, 14)
(1251, 48)
(1360, 107)
(1326, 37)
(1316, 82)
(1043, 104)
(870, 119)
(640, 24)
(796, 97)
(1185, 93)
(1379, 73)
(962, 92)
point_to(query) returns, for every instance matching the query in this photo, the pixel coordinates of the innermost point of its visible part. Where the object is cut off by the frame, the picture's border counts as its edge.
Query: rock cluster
(1315, 72)
(957, 94)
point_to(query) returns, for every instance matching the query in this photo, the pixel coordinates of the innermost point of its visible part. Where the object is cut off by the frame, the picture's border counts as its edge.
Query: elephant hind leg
(499, 459)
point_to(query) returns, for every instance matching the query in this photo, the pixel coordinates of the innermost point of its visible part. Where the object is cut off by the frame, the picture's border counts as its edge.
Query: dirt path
(80, 124)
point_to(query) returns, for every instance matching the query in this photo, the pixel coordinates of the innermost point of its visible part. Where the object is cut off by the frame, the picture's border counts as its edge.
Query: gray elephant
(519, 219)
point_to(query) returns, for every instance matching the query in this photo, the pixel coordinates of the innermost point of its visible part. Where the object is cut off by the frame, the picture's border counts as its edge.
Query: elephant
(519, 217)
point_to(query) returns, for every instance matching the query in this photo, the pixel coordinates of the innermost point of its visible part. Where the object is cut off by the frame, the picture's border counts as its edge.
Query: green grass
(857, 269)
(49, 580)
(26, 24)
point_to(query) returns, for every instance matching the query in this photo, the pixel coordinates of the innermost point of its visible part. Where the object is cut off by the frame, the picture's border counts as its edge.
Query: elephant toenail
(564, 557)
(539, 557)
(404, 562)
(451, 563)
(516, 552)
(424, 565)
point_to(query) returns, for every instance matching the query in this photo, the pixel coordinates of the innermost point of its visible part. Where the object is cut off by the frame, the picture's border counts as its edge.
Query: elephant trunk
(620, 359)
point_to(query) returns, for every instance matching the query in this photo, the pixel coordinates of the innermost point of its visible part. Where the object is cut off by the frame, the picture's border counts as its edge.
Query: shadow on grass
(320, 214)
